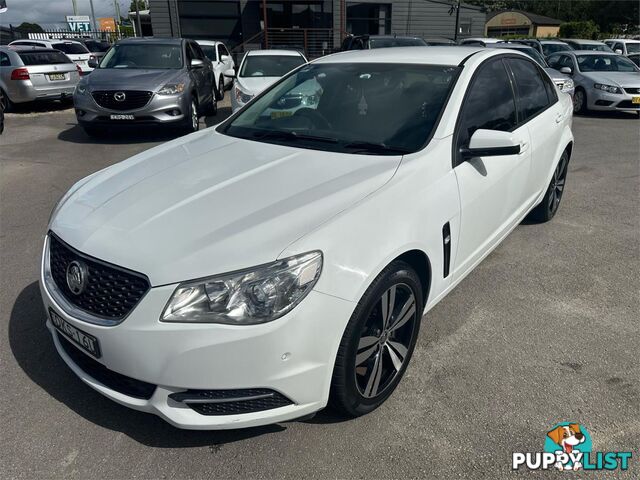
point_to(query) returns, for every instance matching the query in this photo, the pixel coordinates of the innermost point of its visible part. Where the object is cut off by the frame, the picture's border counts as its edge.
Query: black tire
(212, 106)
(192, 122)
(220, 89)
(580, 102)
(7, 104)
(550, 204)
(360, 383)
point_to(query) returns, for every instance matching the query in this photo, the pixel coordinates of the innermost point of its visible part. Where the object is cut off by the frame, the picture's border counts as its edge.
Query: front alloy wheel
(547, 209)
(378, 341)
(579, 101)
(193, 122)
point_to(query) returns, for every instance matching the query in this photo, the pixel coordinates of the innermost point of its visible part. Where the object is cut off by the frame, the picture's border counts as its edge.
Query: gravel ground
(544, 330)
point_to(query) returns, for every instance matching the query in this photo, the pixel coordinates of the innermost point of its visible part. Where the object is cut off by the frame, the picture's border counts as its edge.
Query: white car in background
(76, 51)
(221, 61)
(251, 273)
(258, 70)
(623, 46)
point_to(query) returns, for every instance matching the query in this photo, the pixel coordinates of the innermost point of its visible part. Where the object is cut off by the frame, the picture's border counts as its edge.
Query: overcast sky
(54, 11)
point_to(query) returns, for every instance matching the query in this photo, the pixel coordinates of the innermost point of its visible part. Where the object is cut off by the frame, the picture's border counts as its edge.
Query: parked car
(553, 46)
(221, 61)
(76, 51)
(563, 82)
(365, 42)
(97, 48)
(439, 42)
(258, 70)
(530, 42)
(1, 112)
(479, 41)
(603, 81)
(28, 74)
(635, 58)
(623, 46)
(160, 81)
(579, 44)
(251, 273)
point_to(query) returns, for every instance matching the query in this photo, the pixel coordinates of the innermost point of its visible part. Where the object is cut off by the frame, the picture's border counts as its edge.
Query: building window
(313, 14)
(368, 18)
(464, 27)
(213, 20)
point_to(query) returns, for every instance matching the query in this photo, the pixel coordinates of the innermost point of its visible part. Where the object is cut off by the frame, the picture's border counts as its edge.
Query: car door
(198, 74)
(540, 110)
(226, 61)
(492, 190)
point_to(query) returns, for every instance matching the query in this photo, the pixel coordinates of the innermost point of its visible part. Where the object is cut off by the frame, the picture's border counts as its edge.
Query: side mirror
(231, 73)
(224, 58)
(566, 70)
(618, 51)
(93, 63)
(197, 63)
(490, 143)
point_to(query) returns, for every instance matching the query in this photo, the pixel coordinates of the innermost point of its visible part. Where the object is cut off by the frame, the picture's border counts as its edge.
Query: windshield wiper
(290, 135)
(373, 148)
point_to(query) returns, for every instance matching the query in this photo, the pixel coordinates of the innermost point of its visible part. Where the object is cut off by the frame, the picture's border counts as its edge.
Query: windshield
(381, 109)
(386, 42)
(210, 52)
(270, 65)
(633, 47)
(596, 47)
(70, 48)
(43, 58)
(532, 53)
(605, 63)
(549, 48)
(143, 57)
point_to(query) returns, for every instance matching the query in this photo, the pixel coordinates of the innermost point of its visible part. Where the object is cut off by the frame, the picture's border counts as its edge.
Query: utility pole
(457, 7)
(93, 16)
(116, 6)
(75, 7)
(139, 29)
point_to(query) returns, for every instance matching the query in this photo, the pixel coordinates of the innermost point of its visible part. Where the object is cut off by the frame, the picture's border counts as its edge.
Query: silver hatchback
(32, 73)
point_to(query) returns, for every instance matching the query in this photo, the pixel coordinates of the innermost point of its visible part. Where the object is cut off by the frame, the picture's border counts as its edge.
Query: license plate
(87, 342)
(282, 114)
(56, 76)
(121, 117)
(635, 99)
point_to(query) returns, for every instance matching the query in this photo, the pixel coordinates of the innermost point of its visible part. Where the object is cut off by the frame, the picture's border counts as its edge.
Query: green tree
(26, 27)
(586, 29)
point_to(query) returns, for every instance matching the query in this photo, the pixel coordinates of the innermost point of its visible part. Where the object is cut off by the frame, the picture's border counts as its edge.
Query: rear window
(43, 58)
(97, 46)
(70, 48)
(389, 42)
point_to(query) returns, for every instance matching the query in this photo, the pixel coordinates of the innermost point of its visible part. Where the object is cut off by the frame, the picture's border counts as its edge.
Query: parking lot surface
(544, 330)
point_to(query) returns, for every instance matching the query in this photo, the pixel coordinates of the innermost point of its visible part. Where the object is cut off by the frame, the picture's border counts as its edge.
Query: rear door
(492, 190)
(226, 61)
(540, 111)
(198, 74)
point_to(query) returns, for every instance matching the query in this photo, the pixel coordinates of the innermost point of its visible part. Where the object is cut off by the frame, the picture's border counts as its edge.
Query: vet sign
(79, 23)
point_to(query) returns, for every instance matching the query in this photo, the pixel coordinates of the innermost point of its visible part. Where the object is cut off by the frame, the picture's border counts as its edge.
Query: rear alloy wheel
(547, 209)
(220, 93)
(378, 342)
(579, 101)
(7, 105)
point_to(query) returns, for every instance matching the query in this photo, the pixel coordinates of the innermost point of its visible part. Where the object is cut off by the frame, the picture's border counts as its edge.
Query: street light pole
(93, 16)
(457, 7)
(75, 7)
(139, 29)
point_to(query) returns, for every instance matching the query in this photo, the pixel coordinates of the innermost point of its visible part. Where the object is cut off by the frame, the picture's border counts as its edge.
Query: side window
(4, 60)
(554, 61)
(489, 103)
(220, 52)
(197, 51)
(532, 94)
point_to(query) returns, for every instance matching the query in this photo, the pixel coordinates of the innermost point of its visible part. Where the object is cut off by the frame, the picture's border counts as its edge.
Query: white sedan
(258, 70)
(254, 272)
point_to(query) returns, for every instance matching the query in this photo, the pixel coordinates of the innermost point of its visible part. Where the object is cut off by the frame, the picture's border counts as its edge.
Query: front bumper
(154, 112)
(601, 100)
(293, 356)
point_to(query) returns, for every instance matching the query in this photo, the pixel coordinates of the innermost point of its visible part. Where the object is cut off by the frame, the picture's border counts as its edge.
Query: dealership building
(315, 26)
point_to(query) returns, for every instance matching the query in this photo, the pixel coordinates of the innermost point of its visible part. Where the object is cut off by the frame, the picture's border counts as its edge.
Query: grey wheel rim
(194, 116)
(578, 98)
(385, 340)
(556, 188)
(221, 88)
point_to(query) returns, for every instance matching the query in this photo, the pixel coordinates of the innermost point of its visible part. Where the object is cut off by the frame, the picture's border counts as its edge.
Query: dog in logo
(567, 437)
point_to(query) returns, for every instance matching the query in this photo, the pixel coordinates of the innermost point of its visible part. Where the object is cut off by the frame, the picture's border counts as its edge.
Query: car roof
(431, 55)
(153, 40)
(482, 39)
(555, 42)
(584, 41)
(208, 42)
(586, 52)
(27, 48)
(291, 53)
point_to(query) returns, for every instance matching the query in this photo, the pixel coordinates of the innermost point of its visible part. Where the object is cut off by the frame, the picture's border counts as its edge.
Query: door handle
(559, 118)
(524, 146)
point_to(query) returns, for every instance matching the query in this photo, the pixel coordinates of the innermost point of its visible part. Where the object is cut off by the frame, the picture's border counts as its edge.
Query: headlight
(241, 95)
(81, 89)
(247, 297)
(568, 85)
(607, 88)
(171, 89)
